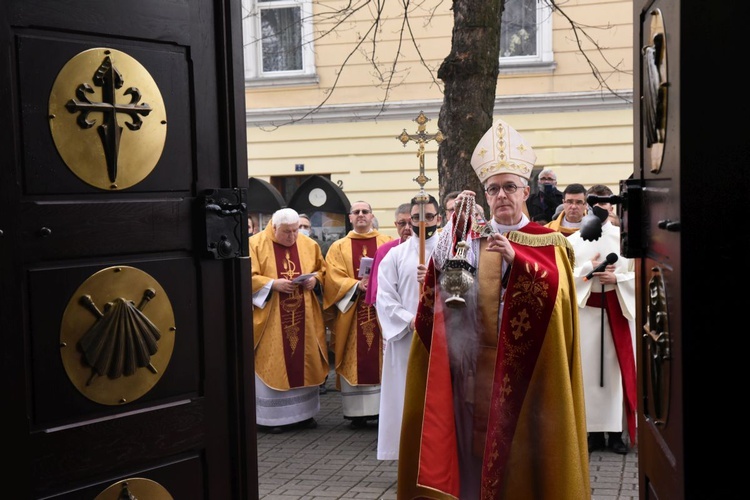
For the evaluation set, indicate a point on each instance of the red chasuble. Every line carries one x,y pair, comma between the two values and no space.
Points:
529,430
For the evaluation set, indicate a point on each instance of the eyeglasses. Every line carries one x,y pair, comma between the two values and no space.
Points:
401,223
364,211
427,217
494,189
547,179
579,203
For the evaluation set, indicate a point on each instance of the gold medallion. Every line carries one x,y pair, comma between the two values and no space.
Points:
136,488
107,119
655,93
117,335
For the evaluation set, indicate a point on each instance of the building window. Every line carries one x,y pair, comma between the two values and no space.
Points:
526,33
278,41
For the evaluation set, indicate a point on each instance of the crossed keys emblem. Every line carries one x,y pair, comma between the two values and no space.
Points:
107,118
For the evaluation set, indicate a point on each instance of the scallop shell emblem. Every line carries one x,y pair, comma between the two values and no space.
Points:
117,335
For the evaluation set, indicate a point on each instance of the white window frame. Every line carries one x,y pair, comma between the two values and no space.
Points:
544,54
253,50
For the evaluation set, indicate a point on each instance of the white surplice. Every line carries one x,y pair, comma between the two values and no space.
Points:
396,304
604,405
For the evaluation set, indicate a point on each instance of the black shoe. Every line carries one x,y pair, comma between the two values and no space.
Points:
617,445
358,423
596,441
270,430
310,423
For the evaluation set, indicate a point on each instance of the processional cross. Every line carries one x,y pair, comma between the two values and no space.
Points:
421,138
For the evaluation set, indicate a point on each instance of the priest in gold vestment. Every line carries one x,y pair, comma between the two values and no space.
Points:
291,356
494,405
357,341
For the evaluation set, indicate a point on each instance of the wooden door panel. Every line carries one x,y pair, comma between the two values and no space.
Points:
55,229
690,247
111,460
115,449
172,20
660,405
57,401
191,428
41,57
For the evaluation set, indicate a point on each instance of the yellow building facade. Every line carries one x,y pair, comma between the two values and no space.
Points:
331,111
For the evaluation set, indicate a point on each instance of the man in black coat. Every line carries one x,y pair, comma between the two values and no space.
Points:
542,203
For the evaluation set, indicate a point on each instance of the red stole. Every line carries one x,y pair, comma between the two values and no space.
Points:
369,340
292,311
523,328
438,463
620,329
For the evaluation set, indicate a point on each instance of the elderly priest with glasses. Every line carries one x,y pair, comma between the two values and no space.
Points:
356,337
494,404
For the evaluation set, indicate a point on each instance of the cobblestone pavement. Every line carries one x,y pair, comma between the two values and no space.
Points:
334,461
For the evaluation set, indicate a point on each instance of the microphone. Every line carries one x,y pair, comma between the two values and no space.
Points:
593,199
611,259
591,225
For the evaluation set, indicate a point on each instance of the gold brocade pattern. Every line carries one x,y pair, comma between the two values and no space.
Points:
343,268
290,319
369,325
271,342
290,305
366,320
532,288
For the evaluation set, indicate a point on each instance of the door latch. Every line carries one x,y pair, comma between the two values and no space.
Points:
632,232
226,222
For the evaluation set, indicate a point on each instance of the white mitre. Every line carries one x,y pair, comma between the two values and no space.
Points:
502,150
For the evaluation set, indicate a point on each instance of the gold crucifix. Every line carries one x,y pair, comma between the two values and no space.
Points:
290,268
421,138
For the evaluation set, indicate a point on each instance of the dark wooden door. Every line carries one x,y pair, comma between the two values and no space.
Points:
125,315
690,182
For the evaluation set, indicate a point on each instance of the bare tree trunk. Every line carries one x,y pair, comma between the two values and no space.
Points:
470,76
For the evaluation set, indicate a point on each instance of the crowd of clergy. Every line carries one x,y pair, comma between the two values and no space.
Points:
371,303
